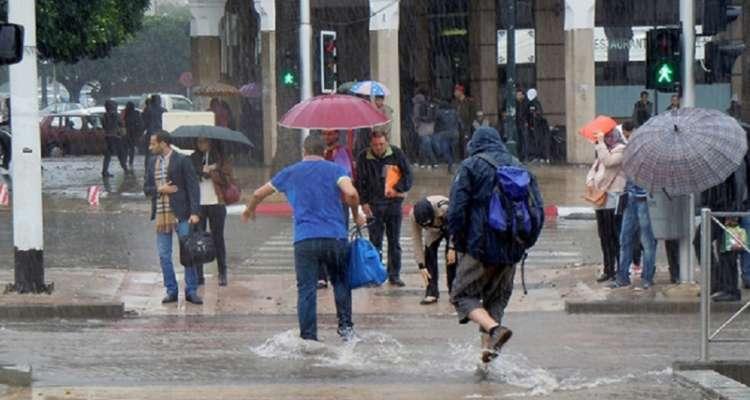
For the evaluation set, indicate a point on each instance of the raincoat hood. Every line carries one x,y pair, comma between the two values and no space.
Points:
487,140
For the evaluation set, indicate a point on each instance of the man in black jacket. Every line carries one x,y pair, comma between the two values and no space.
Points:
383,179
172,185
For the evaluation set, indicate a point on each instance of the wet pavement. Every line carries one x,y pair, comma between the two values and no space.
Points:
552,355
242,344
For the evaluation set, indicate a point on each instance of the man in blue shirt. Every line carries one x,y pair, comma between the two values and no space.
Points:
314,187
634,216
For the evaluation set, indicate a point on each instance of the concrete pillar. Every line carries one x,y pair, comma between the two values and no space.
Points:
384,57
550,49
205,44
483,56
266,9
580,89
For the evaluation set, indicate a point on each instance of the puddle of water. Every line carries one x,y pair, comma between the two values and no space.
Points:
380,352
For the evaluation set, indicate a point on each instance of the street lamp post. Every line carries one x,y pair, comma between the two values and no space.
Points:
687,19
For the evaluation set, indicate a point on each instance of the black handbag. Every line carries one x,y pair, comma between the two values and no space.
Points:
197,248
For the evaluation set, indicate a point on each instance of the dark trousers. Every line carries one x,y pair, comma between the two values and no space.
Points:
388,218
609,238
523,148
130,145
322,273
114,147
724,273
673,258
5,150
431,263
309,256
214,217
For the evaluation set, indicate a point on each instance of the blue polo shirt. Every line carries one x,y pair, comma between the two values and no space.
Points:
312,188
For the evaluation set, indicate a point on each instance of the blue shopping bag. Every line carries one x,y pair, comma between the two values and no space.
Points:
365,267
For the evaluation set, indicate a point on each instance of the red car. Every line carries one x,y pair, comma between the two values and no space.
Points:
72,133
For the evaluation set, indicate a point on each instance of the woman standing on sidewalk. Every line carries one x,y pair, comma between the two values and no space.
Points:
607,176
215,174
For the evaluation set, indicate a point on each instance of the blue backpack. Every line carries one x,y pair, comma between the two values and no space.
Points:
516,209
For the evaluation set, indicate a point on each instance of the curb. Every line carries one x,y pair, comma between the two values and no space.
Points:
45,311
712,383
15,375
638,307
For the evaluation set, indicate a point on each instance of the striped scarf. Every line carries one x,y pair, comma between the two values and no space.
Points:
165,219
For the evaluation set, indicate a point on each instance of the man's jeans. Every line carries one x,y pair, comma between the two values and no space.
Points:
164,247
636,215
427,150
448,142
309,256
388,217
745,257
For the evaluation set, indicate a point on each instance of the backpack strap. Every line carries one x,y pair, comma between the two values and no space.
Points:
486,157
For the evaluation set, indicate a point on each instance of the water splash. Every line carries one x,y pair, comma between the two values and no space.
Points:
380,352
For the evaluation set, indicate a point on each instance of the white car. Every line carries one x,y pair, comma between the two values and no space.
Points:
57,108
172,102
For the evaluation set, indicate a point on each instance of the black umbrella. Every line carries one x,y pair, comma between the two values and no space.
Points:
211,132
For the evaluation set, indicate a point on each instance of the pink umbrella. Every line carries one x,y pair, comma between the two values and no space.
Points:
333,112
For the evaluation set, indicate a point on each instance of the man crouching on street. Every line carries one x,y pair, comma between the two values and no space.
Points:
314,187
484,276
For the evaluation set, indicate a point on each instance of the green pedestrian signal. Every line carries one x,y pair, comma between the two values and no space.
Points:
288,78
665,74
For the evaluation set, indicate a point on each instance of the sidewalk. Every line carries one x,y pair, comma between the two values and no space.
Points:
100,293
110,293
590,297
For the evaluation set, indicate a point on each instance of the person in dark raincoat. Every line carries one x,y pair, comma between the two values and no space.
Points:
484,280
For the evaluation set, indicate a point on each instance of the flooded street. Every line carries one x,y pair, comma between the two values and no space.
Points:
552,356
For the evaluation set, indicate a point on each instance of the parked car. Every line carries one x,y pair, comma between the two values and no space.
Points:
76,133
122,101
57,108
172,102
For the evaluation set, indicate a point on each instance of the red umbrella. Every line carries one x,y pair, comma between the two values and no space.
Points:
333,112
601,123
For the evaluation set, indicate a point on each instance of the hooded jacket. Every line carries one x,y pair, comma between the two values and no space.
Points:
470,196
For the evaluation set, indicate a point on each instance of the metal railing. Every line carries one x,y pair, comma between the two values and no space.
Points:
708,218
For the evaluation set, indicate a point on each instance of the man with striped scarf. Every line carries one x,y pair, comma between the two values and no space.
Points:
172,184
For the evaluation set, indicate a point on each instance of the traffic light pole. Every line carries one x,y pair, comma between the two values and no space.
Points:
687,19
28,231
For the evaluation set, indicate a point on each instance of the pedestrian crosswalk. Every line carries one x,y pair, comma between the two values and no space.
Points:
276,254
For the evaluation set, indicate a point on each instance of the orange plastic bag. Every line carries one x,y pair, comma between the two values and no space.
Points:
601,123
392,176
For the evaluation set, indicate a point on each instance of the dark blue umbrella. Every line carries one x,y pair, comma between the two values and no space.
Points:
211,132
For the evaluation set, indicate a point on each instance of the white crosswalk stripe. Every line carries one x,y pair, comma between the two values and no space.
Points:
277,253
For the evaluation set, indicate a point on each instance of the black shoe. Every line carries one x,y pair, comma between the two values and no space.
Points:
499,337
194,298
222,279
726,297
170,298
604,278
397,282
346,333
106,175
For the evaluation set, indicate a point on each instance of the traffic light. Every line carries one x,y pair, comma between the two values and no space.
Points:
719,59
289,70
716,15
663,59
328,68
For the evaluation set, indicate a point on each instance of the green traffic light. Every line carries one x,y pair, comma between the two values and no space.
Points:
288,78
665,74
